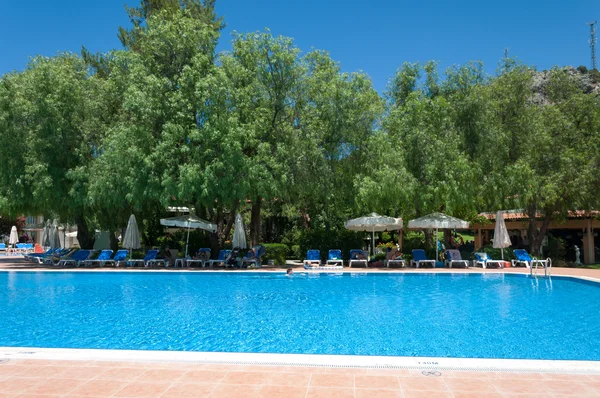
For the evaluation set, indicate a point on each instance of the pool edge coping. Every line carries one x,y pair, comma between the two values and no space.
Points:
304,360
283,271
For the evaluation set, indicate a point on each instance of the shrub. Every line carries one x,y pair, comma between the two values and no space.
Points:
556,248
295,252
582,69
278,252
496,254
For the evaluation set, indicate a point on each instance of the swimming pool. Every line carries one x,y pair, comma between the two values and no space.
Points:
396,314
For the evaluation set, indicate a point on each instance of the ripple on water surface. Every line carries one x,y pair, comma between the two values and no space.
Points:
444,315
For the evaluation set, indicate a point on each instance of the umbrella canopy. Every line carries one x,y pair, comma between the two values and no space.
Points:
54,235
239,233
374,222
46,240
14,236
501,237
189,221
438,221
132,234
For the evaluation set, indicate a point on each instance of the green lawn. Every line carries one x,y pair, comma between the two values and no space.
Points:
592,266
466,237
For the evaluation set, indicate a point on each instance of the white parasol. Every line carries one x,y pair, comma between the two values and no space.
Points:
189,221
501,237
374,222
438,221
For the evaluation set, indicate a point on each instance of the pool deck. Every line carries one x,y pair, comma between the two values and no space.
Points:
104,373
17,263
56,378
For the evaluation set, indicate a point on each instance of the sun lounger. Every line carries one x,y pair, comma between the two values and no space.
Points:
313,258
221,258
120,257
203,257
354,254
334,257
38,257
103,257
150,255
453,258
76,259
523,258
485,261
256,260
150,260
420,258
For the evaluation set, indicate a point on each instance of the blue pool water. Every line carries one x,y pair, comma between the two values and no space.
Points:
446,315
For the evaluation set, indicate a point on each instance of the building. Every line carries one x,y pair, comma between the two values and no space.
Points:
580,229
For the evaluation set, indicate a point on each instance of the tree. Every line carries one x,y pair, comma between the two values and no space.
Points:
45,111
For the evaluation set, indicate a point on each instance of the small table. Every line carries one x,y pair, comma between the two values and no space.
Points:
181,261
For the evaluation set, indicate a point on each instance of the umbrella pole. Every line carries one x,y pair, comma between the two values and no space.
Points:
436,247
373,242
187,241
502,252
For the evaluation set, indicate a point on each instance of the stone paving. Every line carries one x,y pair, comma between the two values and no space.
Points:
43,378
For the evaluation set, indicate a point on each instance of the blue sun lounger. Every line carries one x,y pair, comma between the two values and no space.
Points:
203,257
453,257
313,259
120,257
103,257
334,257
36,256
354,258
76,259
221,258
523,258
485,261
257,260
419,258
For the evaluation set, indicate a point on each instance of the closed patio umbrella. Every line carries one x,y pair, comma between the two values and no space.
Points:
46,239
438,221
501,237
189,221
131,240
14,236
239,233
374,222
54,235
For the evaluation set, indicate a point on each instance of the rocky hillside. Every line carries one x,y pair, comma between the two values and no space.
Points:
589,81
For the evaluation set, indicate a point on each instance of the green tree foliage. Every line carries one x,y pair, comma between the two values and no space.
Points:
289,137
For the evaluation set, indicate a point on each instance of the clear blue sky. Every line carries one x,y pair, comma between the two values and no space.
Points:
374,36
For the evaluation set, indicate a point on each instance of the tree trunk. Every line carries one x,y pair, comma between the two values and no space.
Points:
84,235
231,220
114,242
255,222
216,237
538,237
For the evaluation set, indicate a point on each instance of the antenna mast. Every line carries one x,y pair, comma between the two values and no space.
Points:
593,42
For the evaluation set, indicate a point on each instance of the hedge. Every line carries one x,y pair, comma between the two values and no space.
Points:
278,252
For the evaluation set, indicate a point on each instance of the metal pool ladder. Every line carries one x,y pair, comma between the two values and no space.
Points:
547,264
